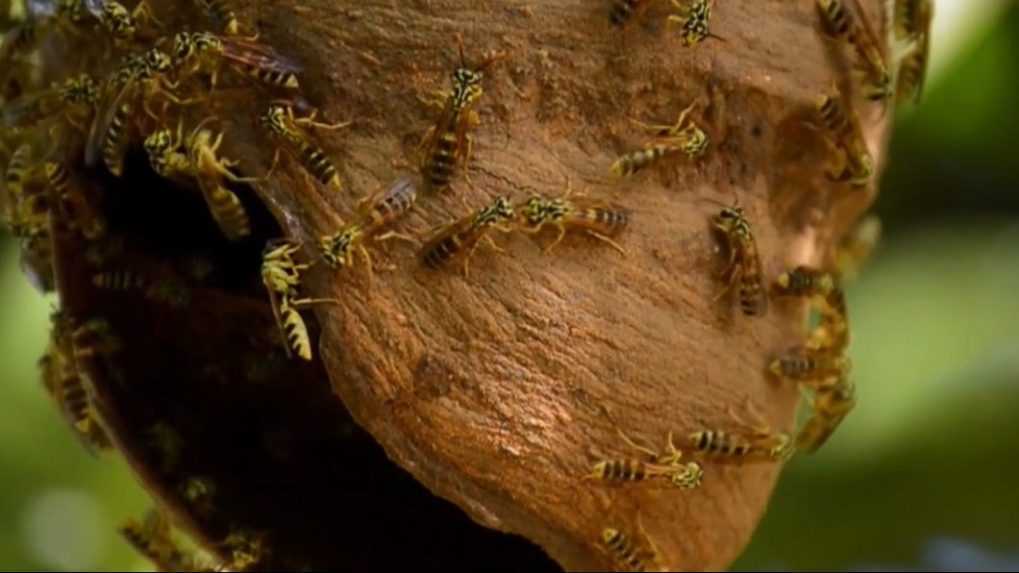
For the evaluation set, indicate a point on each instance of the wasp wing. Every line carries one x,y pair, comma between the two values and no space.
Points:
40,8
29,108
868,30
95,7
258,55
448,120
106,110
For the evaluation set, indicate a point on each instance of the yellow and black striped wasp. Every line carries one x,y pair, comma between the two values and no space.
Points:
448,141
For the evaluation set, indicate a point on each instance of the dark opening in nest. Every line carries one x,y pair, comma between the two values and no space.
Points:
241,442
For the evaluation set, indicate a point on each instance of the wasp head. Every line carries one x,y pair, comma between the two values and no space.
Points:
338,249
157,61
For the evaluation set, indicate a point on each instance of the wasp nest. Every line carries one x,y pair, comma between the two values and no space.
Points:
362,284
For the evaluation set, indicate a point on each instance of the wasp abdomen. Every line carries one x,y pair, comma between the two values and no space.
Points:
319,165
442,165
635,161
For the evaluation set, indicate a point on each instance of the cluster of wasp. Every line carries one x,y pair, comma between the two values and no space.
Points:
59,135
143,101
820,365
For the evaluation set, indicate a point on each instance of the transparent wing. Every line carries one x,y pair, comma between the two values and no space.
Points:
95,7
40,8
258,55
105,113
28,108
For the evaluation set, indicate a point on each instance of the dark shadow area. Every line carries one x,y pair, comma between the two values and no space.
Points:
250,447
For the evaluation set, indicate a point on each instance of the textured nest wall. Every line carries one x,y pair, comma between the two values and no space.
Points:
499,391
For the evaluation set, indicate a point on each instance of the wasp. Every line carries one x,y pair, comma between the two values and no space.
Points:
168,442
222,13
830,406
118,21
18,173
120,280
759,443
728,445
685,137
694,19
281,275
623,11
744,265
199,492
375,213
806,282
840,23
75,99
247,550
211,171
855,250
627,553
461,238
197,156
281,122
912,18
73,205
202,51
846,136
449,141
121,23
598,219
142,75
94,343
913,70
153,539
16,42
812,368
832,332
667,465
63,382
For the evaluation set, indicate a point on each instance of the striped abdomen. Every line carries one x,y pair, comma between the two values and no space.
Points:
912,71
296,331
316,162
805,281
115,140
229,213
794,365
277,78
58,176
840,22
752,298
444,249
603,220
719,443
835,304
14,177
620,470
622,11
394,204
834,117
623,549
122,280
636,160
75,400
441,165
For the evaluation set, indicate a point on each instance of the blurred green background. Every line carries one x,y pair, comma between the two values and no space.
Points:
921,475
